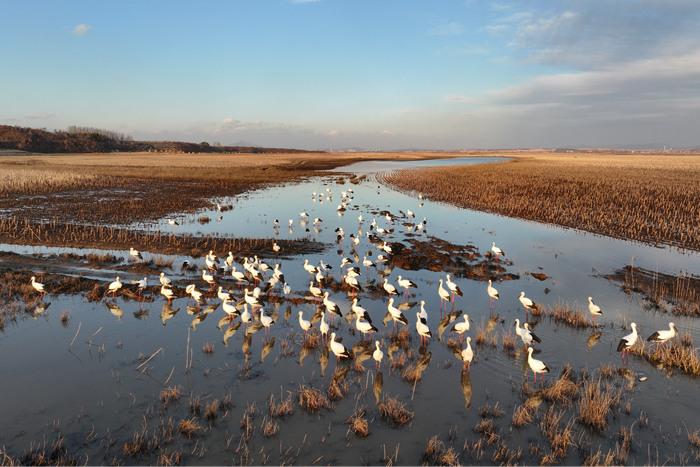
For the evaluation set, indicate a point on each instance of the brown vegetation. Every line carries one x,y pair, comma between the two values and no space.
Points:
676,354
22,231
189,427
358,423
395,411
647,198
169,395
597,400
312,399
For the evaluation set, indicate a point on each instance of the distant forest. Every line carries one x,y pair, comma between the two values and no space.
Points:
87,139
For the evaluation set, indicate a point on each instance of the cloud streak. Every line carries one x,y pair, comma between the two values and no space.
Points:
81,29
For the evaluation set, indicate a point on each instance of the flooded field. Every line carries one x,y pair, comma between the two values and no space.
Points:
133,378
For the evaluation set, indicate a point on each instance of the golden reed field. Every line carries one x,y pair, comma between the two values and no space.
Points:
649,198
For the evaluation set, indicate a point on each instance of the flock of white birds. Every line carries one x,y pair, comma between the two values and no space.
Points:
261,279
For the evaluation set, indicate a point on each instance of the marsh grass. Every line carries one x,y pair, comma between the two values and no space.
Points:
312,400
568,315
393,410
211,410
680,355
189,427
525,413
487,410
610,195
596,402
270,428
282,408
170,395
358,423
16,230
166,458
694,438
436,453
563,390
560,436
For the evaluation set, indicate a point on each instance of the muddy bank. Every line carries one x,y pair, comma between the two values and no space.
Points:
679,295
439,255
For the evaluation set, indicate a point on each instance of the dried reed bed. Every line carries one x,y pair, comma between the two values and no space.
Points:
358,423
127,187
676,354
647,198
30,181
566,314
18,231
597,400
312,399
394,410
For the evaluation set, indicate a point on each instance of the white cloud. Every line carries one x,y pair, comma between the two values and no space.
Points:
302,2
81,29
453,28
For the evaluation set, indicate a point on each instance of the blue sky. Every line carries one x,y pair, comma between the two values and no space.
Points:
372,74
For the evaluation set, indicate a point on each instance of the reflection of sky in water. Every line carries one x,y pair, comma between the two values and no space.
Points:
572,259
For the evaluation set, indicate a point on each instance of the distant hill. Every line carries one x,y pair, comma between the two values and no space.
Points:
83,139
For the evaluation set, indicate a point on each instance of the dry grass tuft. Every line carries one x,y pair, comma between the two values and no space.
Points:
672,355
189,427
525,413
312,399
170,394
358,423
169,458
394,410
137,445
564,389
694,438
509,344
436,453
488,410
270,428
597,458
311,340
503,455
560,437
597,400
282,408
212,410
565,314
246,422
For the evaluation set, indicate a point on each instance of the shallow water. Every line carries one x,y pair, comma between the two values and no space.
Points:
94,385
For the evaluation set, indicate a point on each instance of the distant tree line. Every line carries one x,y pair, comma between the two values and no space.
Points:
81,139
87,130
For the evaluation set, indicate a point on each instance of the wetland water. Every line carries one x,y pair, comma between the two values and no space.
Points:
86,381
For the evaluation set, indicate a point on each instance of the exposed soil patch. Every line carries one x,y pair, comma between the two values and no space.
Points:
439,255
